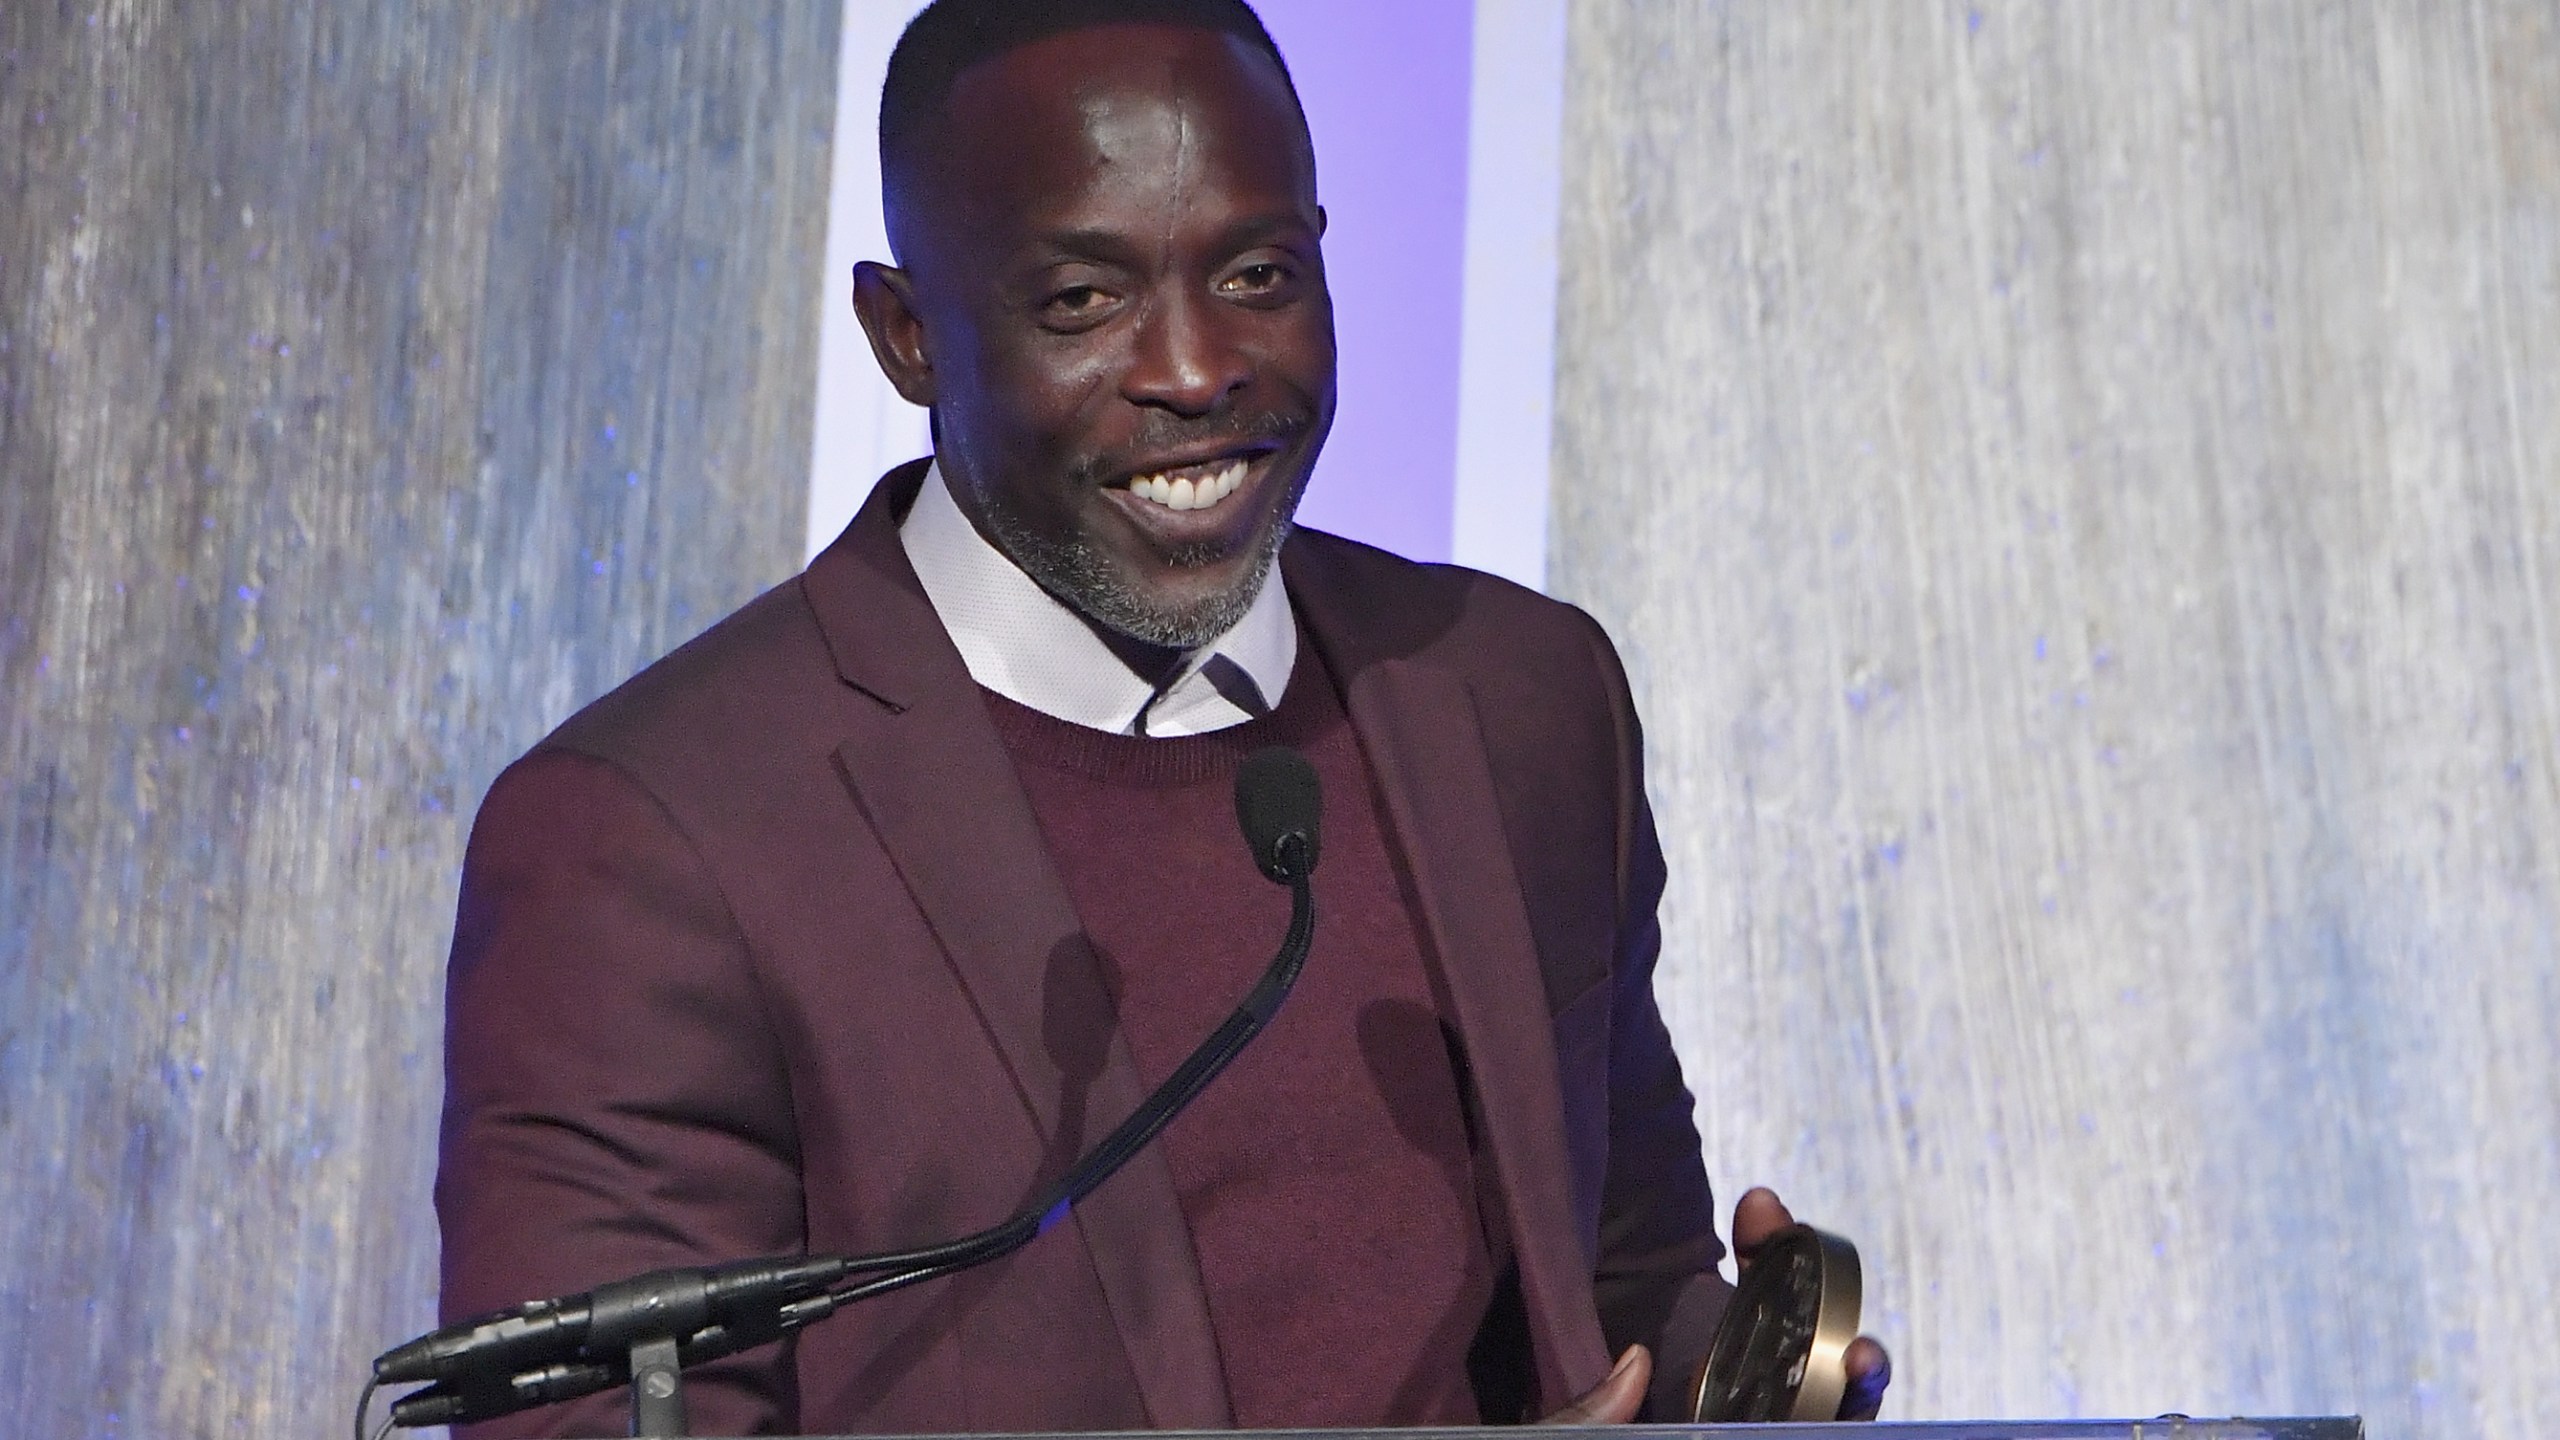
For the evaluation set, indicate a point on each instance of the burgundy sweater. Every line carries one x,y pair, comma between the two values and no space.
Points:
1328,1176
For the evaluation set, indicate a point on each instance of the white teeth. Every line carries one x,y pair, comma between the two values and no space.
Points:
1187,492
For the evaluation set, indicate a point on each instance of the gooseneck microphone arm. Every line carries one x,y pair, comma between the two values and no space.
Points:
645,1329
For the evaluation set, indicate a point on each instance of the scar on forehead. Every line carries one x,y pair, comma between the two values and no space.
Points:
1185,165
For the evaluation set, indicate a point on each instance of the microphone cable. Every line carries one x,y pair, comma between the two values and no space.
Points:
1143,1125
1278,807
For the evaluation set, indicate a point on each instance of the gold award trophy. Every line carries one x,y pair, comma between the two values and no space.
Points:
1778,1352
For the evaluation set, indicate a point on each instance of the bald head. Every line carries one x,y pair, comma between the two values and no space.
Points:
951,37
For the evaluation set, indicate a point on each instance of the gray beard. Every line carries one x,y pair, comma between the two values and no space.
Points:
1083,578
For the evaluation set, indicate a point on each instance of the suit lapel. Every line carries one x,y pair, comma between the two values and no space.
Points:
1419,728
929,774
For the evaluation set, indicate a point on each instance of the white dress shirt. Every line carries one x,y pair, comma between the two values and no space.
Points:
1021,642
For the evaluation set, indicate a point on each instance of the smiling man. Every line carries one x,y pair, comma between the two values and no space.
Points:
851,924
1112,299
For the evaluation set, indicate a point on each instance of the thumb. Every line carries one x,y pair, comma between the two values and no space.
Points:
1613,1401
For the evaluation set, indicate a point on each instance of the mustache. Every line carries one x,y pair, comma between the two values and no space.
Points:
1162,432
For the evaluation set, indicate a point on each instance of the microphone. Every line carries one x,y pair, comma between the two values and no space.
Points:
1278,801
545,1351
687,1298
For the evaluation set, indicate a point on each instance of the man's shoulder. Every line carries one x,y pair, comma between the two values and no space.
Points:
743,684
1468,619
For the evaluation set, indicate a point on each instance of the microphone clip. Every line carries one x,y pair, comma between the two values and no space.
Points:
644,1330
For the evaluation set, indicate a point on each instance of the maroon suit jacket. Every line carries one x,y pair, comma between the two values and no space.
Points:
763,952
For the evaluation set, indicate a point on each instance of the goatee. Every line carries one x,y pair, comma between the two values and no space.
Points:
1085,580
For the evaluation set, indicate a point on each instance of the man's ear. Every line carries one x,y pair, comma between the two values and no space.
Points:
885,299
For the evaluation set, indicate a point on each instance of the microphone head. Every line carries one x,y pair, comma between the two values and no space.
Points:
1278,800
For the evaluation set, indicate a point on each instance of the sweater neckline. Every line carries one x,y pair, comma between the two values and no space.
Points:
1308,710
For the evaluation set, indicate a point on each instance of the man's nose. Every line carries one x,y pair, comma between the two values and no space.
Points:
1184,360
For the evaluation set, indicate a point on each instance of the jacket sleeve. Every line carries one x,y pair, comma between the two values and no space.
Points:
615,1100
1656,1282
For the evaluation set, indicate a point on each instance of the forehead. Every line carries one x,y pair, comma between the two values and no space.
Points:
1133,113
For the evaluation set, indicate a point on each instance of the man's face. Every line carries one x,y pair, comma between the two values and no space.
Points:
1115,303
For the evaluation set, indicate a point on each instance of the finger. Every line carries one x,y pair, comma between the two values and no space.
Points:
1757,1216
1613,1401
1870,1369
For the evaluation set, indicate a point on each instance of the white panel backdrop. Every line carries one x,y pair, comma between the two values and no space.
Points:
2079,487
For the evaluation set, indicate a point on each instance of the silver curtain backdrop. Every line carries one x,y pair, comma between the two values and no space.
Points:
377,382
2079,488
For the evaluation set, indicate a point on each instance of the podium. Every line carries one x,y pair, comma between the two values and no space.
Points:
2162,1427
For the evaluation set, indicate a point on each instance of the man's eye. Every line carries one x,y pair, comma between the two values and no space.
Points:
1076,302
1252,280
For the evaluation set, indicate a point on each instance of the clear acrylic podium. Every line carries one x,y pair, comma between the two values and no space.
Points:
2160,1427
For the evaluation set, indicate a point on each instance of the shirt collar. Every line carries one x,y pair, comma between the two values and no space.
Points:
1021,642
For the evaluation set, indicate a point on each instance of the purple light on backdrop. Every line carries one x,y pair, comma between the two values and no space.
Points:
1386,92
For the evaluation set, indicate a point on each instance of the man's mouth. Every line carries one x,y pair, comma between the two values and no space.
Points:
1191,487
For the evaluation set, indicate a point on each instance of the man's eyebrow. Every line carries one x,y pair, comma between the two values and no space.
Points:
1265,229
1110,247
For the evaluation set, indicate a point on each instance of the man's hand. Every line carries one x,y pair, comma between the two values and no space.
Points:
1613,1401
1759,1215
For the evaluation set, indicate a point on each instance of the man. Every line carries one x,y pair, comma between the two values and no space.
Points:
848,926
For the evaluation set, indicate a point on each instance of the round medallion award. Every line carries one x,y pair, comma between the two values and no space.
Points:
1778,1352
